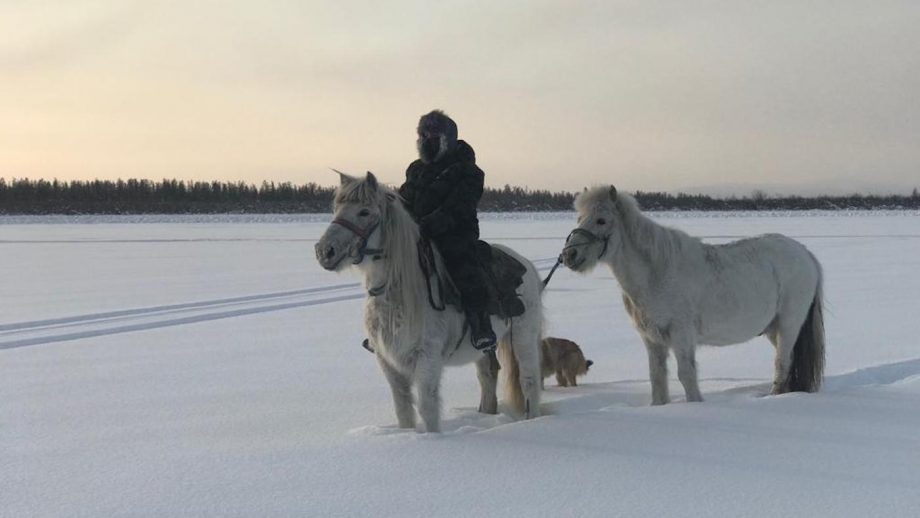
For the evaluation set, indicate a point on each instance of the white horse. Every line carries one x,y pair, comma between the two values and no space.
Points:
412,339
681,292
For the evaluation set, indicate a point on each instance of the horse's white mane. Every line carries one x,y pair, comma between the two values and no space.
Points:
656,242
405,282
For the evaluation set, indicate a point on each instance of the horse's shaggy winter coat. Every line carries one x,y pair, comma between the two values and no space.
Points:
373,233
681,292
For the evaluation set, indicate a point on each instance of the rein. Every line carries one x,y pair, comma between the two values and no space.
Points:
426,260
429,267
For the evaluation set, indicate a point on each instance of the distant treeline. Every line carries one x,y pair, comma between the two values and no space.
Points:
24,196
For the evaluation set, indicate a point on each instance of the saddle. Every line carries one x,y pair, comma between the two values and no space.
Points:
504,274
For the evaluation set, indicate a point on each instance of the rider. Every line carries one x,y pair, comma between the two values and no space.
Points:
441,191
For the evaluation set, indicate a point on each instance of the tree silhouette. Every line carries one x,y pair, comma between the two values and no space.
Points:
172,196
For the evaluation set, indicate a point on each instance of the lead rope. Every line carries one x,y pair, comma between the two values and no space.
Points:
551,272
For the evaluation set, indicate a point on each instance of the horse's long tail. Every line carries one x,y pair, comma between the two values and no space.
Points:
513,394
519,348
807,370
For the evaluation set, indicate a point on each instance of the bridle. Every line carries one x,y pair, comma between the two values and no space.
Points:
425,256
365,235
591,239
363,251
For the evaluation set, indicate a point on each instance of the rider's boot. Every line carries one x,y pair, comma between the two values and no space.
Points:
481,333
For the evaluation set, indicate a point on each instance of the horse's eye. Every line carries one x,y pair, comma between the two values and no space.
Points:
601,221
364,213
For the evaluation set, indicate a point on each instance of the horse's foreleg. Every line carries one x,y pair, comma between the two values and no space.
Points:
401,386
487,372
685,354
428,384
658,372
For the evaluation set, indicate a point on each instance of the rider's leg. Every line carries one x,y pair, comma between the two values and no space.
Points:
462,263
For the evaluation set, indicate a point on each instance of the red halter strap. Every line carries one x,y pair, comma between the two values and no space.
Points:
364,234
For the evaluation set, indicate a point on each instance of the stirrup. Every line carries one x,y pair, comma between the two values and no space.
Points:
485,344
482,336
367,345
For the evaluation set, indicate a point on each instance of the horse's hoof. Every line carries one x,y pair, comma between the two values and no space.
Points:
531,412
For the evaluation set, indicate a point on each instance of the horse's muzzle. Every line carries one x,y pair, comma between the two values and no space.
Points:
571,259
327,256
569,256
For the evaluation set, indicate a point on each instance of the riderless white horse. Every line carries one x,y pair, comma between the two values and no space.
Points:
412,334
681,292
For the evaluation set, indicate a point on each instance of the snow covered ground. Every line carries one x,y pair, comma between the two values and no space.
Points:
208,367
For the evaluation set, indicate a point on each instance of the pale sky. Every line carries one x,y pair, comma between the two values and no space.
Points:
711,96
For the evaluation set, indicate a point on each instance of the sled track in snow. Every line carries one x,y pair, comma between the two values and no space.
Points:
63,329
64,321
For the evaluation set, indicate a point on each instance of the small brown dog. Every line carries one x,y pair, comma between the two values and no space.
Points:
565,359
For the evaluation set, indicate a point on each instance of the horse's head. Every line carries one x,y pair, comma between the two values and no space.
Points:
355,231
591,240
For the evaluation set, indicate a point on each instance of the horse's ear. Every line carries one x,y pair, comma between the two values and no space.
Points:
344,179
371,180
613,193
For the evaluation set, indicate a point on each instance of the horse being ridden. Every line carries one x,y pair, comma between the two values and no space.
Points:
681,292
412,339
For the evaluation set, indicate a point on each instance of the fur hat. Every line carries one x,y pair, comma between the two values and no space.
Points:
436,125
436,121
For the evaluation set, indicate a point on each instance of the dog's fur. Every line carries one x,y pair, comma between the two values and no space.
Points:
564,359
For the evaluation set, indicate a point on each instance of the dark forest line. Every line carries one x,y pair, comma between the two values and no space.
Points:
170,196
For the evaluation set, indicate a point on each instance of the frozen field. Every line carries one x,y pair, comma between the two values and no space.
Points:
209,367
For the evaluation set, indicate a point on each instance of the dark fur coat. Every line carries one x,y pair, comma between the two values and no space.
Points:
443,196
